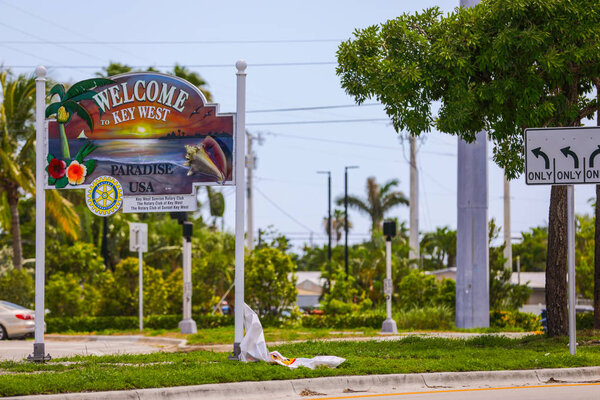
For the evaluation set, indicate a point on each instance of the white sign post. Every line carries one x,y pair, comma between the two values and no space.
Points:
39,350
138,241
564,156
240,192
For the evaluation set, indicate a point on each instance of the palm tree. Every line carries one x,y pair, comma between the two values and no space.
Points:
17,161
439,249
16,111
379,200
337,225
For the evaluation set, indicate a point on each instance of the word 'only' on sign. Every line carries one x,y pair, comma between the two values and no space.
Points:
562,156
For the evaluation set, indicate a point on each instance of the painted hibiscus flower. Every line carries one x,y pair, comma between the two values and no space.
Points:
57,168
76,173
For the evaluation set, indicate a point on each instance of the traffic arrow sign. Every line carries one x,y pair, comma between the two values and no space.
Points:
562,156
567,152
537,152
593,155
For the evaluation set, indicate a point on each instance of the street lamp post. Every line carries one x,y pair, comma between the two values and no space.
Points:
346,216
328,212
389,231
328,224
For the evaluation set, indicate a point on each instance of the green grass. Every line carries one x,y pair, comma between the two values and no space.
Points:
409,355
224,335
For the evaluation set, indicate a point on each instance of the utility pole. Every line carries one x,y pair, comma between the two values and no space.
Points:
328,225
507,237
472,250
413,240
249,200
328,212
346,216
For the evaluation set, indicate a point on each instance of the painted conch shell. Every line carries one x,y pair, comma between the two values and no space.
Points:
207,158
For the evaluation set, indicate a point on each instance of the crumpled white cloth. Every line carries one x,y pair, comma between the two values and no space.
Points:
254,348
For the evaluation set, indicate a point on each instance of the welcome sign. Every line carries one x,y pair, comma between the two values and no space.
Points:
154,133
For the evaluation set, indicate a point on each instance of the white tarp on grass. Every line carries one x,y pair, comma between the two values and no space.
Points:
254,348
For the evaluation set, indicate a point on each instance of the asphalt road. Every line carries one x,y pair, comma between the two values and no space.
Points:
576,391
16,350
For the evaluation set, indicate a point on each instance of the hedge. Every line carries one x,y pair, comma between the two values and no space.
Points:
515,320
93,324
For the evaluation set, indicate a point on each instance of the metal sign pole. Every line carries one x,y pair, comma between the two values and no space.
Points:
39,349
571,272
240,189
138,234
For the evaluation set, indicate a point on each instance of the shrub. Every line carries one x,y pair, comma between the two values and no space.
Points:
64,295
93,324
435,317
17,286
515,320
370,320
269,289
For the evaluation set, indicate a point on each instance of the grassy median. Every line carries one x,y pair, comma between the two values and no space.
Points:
409,355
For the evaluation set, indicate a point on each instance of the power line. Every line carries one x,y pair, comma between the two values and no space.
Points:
331,121
173,42
48,41
56,25
312,108
282,210
230,65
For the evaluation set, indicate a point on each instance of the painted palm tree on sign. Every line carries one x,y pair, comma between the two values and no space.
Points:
68,104
379,200
17,161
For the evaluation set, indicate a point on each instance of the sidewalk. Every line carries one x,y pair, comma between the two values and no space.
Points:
343,386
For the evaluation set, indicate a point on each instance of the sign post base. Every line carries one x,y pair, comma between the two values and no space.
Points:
235,356
389,326
38,355
188,326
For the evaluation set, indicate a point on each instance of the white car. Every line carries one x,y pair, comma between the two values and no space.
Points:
15,321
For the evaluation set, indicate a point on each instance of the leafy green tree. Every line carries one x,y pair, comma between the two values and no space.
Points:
438,249
532,249
80,259
65,296
270,281
502,66
119,290
17,286
503,294
379,200
417,290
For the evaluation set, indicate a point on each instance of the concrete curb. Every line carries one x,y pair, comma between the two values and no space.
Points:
154,341
343,385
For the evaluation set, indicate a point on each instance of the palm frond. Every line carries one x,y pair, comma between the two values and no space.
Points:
83,86
63,213
4,212
52,109
79,110
58,89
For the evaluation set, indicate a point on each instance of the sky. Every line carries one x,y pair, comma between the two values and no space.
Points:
290,48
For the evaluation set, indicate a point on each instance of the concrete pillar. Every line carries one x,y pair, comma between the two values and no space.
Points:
472,254
413,240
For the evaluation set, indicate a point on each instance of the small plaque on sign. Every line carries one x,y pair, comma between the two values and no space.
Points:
138,236
167,203
387,286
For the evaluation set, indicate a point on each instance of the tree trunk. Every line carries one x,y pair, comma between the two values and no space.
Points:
12,195
556,262
597,261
